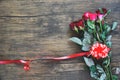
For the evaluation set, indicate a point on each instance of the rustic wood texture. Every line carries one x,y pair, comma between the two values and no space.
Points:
30,28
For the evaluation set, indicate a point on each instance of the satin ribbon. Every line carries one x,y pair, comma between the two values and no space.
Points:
65,57
26,63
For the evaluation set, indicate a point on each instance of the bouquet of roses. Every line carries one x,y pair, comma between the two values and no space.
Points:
95,42
95,39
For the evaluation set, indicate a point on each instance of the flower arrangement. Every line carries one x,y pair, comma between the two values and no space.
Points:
95,38
95,42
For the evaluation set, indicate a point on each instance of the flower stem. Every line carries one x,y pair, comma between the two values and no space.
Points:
108,75
108,70
98,37
96,34
100,26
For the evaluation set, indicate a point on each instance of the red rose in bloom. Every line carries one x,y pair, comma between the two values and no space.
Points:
89,15
93,16
86,15
99,50
101,11
78,24
72,25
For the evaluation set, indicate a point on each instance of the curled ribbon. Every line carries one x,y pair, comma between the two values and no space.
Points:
26,63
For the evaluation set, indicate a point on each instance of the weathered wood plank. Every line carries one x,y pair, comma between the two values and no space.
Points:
52,7
40,27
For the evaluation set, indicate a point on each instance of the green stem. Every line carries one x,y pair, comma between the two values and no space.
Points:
101,30
100,26
108,70
96,34
98,37
108,75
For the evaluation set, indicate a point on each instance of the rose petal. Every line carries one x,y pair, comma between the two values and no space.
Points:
93,16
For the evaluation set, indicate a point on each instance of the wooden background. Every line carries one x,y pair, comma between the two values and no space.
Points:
30,28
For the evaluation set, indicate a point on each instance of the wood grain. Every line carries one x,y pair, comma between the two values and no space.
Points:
30,28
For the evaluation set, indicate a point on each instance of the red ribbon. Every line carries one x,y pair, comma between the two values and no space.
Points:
26,63
66,57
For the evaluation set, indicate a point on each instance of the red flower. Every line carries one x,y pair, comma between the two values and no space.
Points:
93,16
101,11
72,25
78,24
99,50
86,15
89,15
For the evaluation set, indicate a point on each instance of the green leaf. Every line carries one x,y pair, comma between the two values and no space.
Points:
109,38
106,62
103,35
108,12
90,30
93,72
85,48
108,41
87,36
109,44
110,54
86,41
91,24
86,45
102,77
105,26
114,77
93,68
101,71
97,72
76,40
108,29
114,25
89,62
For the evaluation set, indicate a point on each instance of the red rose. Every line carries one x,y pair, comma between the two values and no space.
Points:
78,24
99,50
101,11
72,25
86,15
93,16
89,15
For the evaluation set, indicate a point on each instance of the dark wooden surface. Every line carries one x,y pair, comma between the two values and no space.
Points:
30,28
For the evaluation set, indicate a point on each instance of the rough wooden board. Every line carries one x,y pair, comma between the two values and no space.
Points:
40,27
